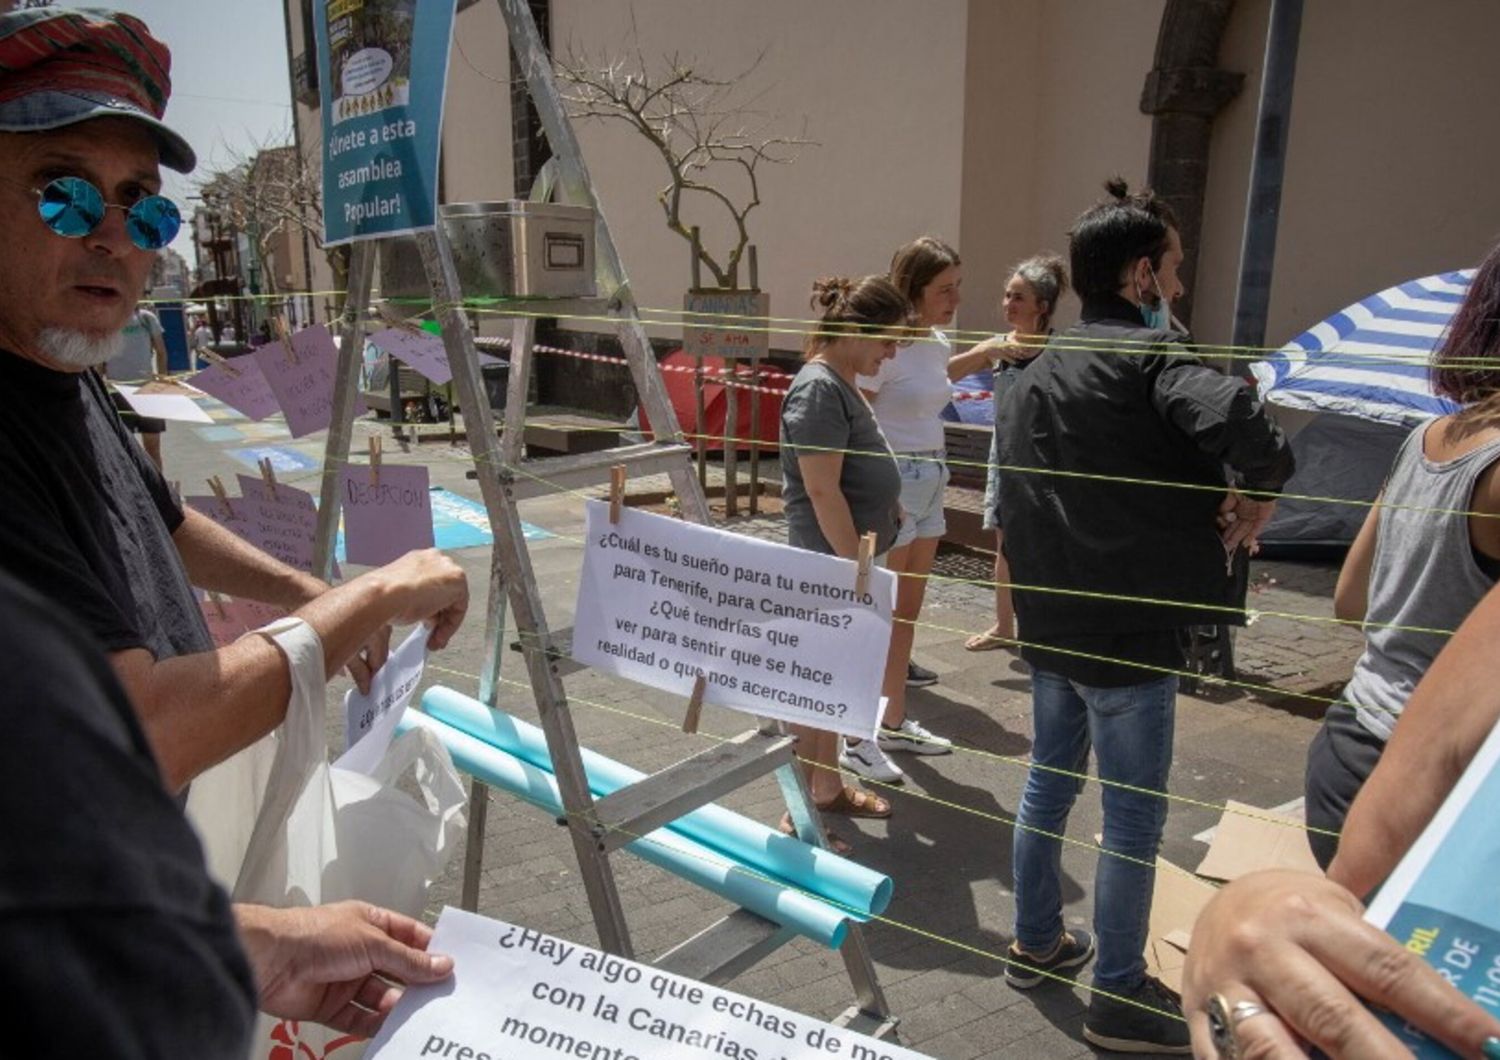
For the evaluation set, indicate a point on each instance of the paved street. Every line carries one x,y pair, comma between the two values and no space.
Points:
947,845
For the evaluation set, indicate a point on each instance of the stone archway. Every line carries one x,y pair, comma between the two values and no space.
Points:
1184,92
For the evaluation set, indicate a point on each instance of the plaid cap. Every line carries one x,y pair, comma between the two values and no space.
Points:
61,67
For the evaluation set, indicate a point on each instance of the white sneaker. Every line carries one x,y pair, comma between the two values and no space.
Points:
914,737
866,759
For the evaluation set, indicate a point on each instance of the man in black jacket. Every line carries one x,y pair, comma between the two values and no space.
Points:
1135,477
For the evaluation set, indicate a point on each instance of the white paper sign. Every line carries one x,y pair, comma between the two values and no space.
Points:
163,406
776,630
517,994
370,718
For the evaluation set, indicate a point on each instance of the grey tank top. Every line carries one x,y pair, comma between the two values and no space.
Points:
1423,574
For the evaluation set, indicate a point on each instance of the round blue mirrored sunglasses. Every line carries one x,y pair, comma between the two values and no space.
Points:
72,207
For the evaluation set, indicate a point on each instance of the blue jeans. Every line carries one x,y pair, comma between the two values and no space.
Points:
1130,729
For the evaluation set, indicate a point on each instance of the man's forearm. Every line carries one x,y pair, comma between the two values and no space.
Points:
218,560
200,709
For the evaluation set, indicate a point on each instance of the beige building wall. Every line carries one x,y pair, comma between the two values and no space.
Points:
1051,108
992,123
1390,160
477,157
879,85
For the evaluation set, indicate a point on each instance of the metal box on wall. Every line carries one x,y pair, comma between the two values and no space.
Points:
512,249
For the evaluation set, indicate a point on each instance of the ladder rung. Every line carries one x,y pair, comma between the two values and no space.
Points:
536,478
723,951
648,804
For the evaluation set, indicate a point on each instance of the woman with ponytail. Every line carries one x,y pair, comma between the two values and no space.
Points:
839,477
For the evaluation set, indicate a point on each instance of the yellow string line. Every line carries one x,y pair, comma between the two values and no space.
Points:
957,337
684,436
1121,347
861,914
812,326
1057,770
1214,609
211,299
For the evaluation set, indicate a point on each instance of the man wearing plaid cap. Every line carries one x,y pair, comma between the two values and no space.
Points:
89,525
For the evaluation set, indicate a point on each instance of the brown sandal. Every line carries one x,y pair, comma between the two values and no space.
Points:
856,802
989,640
836,843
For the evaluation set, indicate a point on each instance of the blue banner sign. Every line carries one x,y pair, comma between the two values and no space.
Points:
382,71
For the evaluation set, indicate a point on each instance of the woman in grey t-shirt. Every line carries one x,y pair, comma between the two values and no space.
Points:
839,476
1428,552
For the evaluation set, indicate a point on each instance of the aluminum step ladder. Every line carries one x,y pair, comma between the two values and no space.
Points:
506,476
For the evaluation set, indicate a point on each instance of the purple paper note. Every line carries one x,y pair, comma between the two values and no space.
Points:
231,515
423,352
304,388
266,524
384,522
241,385
283,525
259,490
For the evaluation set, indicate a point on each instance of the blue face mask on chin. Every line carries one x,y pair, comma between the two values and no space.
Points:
1158,316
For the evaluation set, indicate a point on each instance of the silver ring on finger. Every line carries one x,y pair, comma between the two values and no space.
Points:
1223,1020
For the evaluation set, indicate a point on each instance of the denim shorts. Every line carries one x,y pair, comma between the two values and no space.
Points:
923,476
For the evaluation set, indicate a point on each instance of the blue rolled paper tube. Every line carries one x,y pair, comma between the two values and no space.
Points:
862,891
710,869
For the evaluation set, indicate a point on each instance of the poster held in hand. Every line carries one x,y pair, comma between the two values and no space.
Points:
518,994
1440,901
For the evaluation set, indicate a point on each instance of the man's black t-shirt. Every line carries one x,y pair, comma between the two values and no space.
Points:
114,940
86,520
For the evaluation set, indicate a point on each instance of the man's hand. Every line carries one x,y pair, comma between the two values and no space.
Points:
1241,519
341,965
1296,945
429,587
371,658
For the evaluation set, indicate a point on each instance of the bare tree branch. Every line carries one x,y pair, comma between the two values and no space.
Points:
266,192
710,142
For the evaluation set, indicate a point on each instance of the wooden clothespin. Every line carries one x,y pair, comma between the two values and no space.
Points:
391,319
616,491
217,486
268,475
866,561
283,336
695,705
218,602
223,362
375,446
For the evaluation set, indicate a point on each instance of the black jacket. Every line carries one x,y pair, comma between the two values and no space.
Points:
1112,398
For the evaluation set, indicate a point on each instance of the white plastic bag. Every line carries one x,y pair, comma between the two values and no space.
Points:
282,827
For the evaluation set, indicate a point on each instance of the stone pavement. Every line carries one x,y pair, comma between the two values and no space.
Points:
948,844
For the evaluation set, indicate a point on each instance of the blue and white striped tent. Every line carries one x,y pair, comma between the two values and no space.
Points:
1364,371
1370,360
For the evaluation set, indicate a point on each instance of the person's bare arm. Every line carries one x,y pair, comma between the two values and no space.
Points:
218,560
1351,596
820,476
1449,715
222,562
986,354
159,350
199,709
